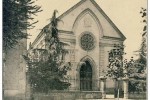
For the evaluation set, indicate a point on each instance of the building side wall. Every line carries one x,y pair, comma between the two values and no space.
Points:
14,77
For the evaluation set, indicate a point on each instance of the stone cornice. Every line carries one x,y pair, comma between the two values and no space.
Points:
64,31
106,44
67,37
112,38
68,40
42,33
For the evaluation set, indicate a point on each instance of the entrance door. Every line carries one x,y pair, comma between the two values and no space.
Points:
86,77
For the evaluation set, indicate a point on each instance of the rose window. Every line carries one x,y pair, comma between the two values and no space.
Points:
87,42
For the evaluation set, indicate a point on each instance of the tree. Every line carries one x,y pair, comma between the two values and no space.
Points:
139,65
46,67
120,68
16,16
143,49
117,67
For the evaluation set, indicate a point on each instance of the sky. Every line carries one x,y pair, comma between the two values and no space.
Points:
124,13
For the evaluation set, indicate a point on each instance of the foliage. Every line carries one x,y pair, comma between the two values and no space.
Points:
134,69
136,86
139,66
48,71
143,49
16,14
115,67
119,68
137,76
143,13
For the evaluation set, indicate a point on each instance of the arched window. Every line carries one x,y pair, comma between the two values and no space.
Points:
86,77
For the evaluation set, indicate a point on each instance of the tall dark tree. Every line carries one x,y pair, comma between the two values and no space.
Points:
17,18
46,67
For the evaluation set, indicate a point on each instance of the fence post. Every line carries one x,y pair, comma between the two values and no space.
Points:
102,86
125,83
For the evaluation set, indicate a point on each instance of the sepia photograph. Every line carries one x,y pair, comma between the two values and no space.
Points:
74,50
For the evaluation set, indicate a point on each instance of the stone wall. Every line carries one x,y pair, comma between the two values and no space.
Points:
68,95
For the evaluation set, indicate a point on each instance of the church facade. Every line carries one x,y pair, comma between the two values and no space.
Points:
90,34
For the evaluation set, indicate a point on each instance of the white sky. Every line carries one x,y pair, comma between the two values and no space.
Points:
124,13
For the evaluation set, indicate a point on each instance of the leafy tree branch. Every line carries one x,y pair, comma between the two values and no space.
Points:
17,17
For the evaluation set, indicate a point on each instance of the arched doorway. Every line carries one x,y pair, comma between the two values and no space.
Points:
86,77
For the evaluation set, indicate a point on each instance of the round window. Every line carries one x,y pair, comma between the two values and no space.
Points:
87,42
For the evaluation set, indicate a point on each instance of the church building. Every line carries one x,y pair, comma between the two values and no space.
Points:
90,34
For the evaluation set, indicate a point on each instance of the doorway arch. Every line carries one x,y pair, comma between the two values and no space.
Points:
86,77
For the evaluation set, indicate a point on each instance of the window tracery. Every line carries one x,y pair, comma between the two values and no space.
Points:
87,42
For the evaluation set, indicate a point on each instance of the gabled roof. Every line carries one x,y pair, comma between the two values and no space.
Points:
100,10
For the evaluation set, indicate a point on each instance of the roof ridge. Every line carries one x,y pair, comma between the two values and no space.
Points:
107,18
70,9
